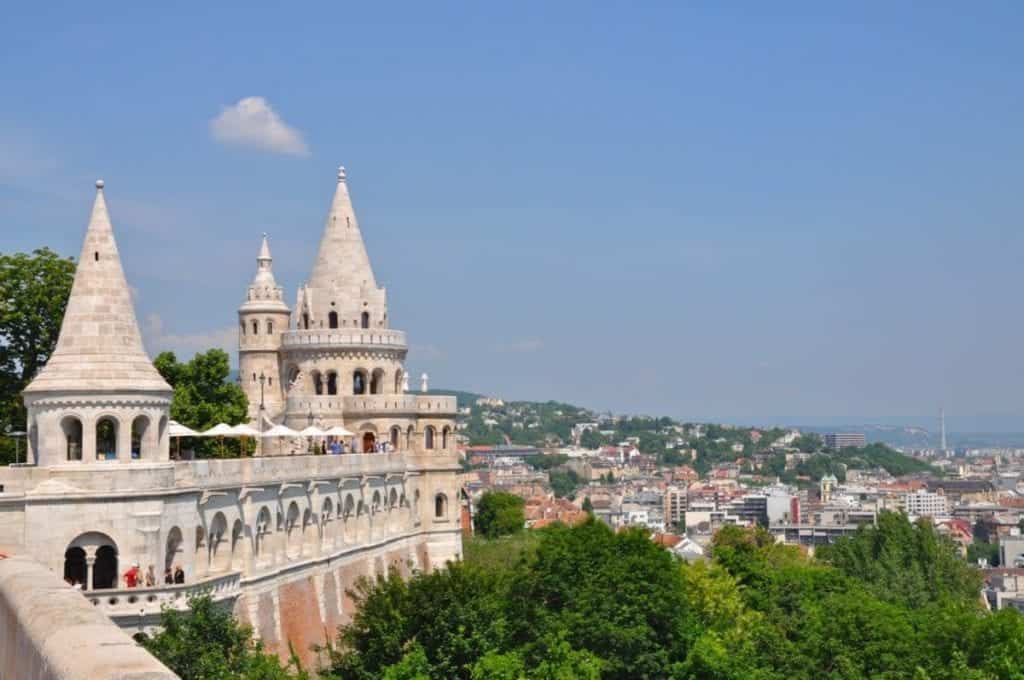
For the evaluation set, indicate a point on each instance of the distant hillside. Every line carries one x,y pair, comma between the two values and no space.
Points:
464,398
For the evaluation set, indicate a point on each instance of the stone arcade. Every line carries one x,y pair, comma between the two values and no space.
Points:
277,538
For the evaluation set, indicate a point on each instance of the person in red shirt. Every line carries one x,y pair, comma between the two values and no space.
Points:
131,577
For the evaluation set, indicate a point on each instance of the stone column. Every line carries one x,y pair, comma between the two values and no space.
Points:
90,560
88,440
124,439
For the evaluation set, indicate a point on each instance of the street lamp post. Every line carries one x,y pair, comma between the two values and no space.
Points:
263,380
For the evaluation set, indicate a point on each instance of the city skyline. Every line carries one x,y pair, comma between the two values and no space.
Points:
794,208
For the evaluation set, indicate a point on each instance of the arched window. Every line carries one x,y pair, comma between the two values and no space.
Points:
392,500
440,506
375,506
377,381
74,566
396,432
359,382
73,437
305,320
332,319
444,437
140,426
262,529
270,327
106,438
173,550
318,383
365,320
332,382
255,327
428,437
104,570
220,557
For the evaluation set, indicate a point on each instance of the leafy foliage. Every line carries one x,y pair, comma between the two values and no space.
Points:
206,643
34,290
499,514
203,397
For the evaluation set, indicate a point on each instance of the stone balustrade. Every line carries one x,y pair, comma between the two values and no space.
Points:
118,603
369,405
322,338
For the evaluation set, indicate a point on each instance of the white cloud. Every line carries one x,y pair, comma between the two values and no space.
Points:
520,346
251,122
186,345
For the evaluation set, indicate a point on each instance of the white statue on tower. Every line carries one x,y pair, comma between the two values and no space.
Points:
423,383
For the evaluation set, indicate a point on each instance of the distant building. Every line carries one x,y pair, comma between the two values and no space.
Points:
923,503
675,504
842,440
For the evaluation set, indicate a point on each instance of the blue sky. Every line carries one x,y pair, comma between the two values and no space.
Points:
697,209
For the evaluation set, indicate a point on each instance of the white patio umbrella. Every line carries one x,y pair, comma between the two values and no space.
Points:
338,431
220,430
243,430
176,429
312,431
280,431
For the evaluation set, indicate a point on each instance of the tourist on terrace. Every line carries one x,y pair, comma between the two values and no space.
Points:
168,576
132,576
179,574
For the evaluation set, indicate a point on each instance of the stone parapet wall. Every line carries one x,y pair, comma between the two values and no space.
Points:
51,632
337,339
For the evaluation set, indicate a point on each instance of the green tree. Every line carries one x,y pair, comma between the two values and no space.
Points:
590,439
588,506
499,514
206,642
203,397
563,482
34,290
809,442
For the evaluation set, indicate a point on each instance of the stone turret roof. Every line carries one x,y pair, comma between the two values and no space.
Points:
264,294
100,347
342,262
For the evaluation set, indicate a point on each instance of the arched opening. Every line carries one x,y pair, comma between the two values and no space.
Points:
359,382
396,432
202,556
174,541
293,532
75,572
392,500
428,437
364,320
237,554
72,427
377,381
140,426
270,327
445,433
332,382
305,320
262,530
369,441
332,320
293,376
375,505
318,383
308,532
104,570
106,438
440,506
220,553
255,327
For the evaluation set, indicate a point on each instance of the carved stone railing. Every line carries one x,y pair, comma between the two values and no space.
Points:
119,603
340,338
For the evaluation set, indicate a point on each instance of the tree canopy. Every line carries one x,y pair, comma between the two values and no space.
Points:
203,396
34,290
499,514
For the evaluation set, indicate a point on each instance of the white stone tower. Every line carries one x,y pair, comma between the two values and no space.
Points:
99,397
262,318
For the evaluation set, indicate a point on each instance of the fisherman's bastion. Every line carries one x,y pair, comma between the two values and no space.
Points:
277,537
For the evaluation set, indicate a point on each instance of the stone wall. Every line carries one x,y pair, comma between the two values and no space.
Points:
50,632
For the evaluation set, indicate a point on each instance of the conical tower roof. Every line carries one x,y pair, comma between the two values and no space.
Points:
100,347
264,294
342,262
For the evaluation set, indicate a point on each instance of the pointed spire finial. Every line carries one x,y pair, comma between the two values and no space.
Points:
341,173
